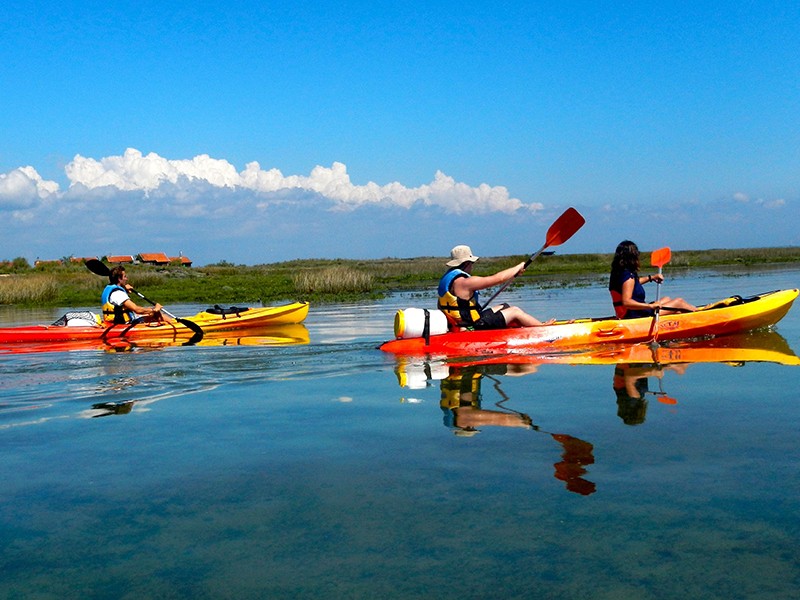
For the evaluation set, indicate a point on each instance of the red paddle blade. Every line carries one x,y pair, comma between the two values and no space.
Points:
564,227
667,400
660,257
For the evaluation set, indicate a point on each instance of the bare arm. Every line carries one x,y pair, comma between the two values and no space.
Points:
140,310
464,287
630,303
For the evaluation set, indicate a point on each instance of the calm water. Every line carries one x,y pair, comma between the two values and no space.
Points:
309,471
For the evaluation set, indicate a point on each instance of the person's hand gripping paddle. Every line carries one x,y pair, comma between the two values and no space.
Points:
560,231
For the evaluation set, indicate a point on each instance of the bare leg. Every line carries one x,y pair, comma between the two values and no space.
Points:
514,314
678,303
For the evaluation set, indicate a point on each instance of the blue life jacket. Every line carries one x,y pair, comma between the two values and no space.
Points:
460,312
113,313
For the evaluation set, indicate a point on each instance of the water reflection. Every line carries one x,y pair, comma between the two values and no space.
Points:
461,399
274,335
42,382
631,385
635,367
462,405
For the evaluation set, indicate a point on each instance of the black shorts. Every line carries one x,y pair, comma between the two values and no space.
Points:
491,320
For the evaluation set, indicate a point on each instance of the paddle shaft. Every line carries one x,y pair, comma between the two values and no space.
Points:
198,331
146,299
559,232
658,285
505,285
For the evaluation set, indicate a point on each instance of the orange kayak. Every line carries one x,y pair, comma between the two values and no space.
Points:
729,316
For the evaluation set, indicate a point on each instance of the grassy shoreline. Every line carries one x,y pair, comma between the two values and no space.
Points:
321,281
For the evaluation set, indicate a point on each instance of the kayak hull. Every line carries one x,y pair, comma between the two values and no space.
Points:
249,319
252,318
755,346
730,316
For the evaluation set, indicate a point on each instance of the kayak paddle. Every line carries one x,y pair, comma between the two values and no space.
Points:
560,231
658,259
100,268
660,395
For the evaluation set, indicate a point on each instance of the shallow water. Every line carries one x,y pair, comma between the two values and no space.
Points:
309,471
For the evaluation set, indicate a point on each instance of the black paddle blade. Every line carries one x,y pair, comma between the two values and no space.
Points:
97,267
198,332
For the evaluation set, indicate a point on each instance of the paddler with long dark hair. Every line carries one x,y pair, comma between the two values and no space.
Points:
458,295
627,291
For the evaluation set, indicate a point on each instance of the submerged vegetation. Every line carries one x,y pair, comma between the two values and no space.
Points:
70,284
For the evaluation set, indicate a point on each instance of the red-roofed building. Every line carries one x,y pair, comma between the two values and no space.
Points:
43,263
154,258
182,260
119,259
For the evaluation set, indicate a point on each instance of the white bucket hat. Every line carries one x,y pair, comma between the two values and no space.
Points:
460,255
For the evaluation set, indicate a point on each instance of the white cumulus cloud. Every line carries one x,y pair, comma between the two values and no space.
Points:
24,188
133,171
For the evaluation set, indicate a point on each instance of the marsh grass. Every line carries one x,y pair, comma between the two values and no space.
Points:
336,280
332,280
144,278
31,289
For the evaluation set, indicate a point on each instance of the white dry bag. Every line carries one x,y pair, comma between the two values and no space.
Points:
419,322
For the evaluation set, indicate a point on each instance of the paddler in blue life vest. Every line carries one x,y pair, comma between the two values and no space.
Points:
458,295
118,308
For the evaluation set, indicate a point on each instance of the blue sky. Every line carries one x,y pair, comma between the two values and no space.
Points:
255,132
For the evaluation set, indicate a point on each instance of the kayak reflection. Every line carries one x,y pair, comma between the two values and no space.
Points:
272,335
461,401
635,365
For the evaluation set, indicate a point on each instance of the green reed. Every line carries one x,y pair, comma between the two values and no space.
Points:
332,280
335,280
29,289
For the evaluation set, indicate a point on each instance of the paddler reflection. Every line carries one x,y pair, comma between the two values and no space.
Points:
631,386
461,399
461,403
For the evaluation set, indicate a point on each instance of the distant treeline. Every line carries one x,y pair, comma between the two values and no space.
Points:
325,280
